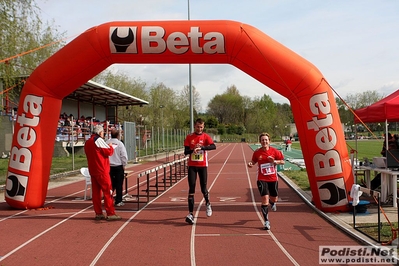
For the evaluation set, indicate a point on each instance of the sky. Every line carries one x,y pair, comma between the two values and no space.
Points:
355,44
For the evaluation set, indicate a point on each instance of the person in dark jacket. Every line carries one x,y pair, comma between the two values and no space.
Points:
392,145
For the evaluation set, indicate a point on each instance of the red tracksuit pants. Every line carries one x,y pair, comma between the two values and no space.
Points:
102,183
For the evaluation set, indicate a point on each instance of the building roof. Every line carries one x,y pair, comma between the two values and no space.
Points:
95,93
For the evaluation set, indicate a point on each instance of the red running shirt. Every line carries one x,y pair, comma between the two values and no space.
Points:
201,158
267,171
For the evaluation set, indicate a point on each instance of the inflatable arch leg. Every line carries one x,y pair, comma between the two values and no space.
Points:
230,42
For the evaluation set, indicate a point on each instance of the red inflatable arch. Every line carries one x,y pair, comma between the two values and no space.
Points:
247,48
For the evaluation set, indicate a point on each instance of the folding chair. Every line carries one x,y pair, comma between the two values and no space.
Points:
85,172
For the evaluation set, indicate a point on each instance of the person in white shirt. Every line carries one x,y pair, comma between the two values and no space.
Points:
118,162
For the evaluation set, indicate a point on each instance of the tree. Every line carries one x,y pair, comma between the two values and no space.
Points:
185,98
262,115
174,113
163,106
285,111
182,107
228,108
356,101
25,41
211,122
221,129
122,82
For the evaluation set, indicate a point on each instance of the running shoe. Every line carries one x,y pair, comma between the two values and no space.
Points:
274,207
113,217
208,210
267,225
99,217
120,204
190,219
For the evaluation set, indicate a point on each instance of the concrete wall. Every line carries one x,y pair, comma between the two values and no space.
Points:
6,125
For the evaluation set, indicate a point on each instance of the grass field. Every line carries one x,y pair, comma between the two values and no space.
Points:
365,149
59,165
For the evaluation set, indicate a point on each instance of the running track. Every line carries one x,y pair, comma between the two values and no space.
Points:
65,233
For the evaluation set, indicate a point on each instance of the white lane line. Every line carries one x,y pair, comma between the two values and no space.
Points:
106,245
101,252
39,235
267,234
287,254
66,219
46,203
192,240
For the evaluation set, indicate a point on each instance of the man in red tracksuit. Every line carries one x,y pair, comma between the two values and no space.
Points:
97,153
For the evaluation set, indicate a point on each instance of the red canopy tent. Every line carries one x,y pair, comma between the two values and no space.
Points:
386,109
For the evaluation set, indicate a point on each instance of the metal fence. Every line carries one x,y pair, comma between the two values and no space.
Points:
129,139
153,140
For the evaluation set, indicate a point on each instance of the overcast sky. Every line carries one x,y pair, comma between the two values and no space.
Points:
355,44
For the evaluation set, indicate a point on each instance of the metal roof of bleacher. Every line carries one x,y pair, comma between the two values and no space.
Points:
95,93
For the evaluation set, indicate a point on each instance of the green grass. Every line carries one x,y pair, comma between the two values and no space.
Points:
300,178
364,148
65,164
371,229
59,165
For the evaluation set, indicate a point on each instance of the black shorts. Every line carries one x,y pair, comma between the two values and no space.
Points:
268,188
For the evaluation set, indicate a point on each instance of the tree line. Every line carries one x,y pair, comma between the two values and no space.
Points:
227,113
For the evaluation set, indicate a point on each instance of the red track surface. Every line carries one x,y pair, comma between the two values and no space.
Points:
65,233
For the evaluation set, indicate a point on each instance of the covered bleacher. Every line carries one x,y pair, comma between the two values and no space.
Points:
89,105
95,93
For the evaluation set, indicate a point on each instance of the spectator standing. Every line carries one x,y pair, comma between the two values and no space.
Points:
288,144
267,158
392,144
68,122
97,154
118,161
196,146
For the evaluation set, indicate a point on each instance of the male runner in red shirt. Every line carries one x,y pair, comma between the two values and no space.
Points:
196,146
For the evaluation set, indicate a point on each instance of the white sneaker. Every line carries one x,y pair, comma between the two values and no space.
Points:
120,204
190,219
208,210
267,225
274,207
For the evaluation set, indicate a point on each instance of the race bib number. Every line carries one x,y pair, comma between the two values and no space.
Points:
199,157
267,169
